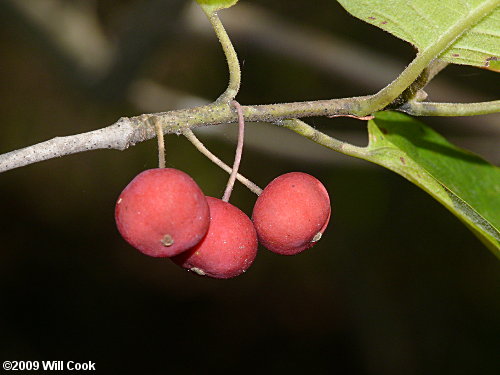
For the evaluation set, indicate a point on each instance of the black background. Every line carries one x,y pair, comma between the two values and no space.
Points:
396,285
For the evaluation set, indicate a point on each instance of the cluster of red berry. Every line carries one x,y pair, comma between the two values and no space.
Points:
163,213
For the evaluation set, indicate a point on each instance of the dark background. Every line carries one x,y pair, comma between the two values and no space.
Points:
396,285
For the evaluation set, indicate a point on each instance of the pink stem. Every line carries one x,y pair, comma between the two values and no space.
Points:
239,151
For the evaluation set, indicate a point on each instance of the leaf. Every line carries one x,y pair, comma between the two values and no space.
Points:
211,6
423,22
463,182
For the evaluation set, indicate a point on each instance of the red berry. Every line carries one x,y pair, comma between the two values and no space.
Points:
292,213
162,212
228,249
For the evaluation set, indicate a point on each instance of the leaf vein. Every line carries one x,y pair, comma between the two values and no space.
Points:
472,49
486,32
423,16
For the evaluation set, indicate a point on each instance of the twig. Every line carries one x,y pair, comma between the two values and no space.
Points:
118,136
415,91
449,109
128,131
201,147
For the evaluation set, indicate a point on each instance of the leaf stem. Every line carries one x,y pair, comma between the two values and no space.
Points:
450,109
231,58
385,96
307,131
188,133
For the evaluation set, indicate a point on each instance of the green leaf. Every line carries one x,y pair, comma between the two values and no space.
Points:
423,22
211,6
463,182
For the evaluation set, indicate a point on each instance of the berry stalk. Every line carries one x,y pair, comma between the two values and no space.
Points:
161,145
205,151
239,151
